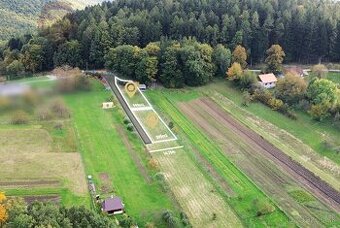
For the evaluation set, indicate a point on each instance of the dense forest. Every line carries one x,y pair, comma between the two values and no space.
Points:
308,31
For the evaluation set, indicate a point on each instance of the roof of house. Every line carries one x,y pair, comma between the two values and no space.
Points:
112,204
267,78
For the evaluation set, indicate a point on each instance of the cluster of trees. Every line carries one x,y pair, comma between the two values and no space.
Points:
173,63
17,214
320,96
308,30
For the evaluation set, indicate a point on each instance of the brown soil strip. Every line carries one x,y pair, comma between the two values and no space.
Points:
133,154
29,183
306,178
44,198
106,184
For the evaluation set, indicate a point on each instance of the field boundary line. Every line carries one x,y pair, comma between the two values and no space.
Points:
150,108
142,126
141,109
165,149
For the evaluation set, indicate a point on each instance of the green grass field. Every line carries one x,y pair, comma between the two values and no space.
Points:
246,191
35,163
102,146
335,77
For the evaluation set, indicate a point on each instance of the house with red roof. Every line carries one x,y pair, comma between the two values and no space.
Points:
268,80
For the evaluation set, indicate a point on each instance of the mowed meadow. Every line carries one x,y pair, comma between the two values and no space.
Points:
39,157
116,158
219,146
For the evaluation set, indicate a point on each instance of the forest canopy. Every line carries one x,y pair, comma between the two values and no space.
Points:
307,30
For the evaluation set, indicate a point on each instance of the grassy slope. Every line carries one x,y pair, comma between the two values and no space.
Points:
104,152
247,192
309,131
18,17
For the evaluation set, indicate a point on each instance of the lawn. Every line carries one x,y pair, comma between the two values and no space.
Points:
310,132
245,190
30,166
335,77
105,152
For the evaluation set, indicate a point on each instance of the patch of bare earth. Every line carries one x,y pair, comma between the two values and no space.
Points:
106,183
44,198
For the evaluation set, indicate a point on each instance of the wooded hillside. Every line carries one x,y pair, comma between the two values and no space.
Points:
18,17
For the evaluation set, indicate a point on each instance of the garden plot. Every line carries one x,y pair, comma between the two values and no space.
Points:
247,155
153,125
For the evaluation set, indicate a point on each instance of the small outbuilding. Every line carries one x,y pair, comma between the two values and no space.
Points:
142,87
107,105
268,80
113,206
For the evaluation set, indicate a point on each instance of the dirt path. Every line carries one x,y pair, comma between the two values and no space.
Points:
316,185
43,198
258,163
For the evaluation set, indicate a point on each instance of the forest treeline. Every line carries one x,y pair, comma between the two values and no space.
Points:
307,30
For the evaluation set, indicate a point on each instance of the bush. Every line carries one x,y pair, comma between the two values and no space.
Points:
263,207
262,95
153,164
170,219
319,111
159,177
275,104
185,220
127,221
59,108
71,79
319,70
130,127
20,117
171,125
44,114
126,120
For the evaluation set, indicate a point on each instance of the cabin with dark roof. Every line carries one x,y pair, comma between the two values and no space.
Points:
113,205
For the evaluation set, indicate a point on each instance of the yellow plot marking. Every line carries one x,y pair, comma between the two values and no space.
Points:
131,88
152,120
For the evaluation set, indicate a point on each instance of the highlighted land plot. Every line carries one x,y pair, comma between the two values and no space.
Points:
152,124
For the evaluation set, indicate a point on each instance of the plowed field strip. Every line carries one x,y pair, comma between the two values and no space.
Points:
263,172
321,189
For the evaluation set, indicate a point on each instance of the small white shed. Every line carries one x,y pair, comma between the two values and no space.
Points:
108,105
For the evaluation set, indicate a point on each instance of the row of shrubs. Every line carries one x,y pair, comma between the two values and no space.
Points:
266,97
